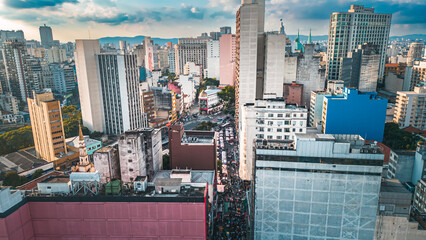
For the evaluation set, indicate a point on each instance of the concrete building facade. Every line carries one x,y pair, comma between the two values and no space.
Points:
355,112
107,163
411,108
47,126
190,50
349,29
323,187
269,119
46,36
213,59
274,60
227,47
141,153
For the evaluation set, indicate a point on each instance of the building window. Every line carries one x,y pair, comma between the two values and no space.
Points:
269,129
286,122
279,130
261,129
280,115
300,130
280,123
129,151
130,160
286,137
286,129
270,123
270,115
269,137
278,137
260,136
130,169
293,129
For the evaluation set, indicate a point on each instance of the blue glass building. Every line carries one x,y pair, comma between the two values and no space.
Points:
361,113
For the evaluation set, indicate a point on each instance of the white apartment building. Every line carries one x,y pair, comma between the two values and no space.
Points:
213,66
273,83
418,74
269,119
411,108
355,27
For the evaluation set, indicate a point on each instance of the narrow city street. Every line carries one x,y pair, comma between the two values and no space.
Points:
231,219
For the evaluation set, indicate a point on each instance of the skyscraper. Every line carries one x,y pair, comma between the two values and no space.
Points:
349,29
411,108
16,78
109,89
213,66
250,22
227,59
46,36
225,30
360,68
47,126
190,50
415,53
274,61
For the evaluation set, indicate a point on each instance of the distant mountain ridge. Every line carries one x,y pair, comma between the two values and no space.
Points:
303,38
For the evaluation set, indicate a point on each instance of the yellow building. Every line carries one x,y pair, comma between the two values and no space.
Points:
47,127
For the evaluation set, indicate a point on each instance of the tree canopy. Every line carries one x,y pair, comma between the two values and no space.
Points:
17,139
228,96
13,179
205,126
398,139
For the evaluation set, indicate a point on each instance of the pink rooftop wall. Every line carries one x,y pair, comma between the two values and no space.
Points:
227,59
105,220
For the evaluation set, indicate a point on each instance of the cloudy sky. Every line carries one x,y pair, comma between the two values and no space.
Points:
72,19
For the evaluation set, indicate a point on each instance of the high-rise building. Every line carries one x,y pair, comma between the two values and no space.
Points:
90,91
274,61
46,36
120,92
123,46
141,153
268,119
419,203
411,108
190,50
249,57
225,30
172,60
349,29
16,78
163,59
55,55
418,74
361,68
321,187
47,126
227,59
414,53
6,35
9,103
107,163
111,104
63,77
360,113
213,67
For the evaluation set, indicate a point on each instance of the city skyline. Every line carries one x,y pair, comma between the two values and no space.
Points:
74,19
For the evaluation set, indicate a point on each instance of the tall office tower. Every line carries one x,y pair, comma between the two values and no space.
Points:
89,87
120,92
227,59
249,57
172,60
321,187
349,29
55,55
46,36
139,51
213,67
225,30
267,119
190,50
109,89
360,68
308,72
148,46
418,74
215,35
273,83
163,59
411,108
141,153
16,77
47,126
34,73
415,53
47,77
6,35
63,77
123,46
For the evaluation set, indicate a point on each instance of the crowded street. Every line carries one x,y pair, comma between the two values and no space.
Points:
231,216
